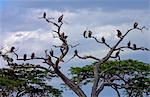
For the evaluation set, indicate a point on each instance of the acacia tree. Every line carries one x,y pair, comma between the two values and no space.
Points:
26,80
129,75
53,60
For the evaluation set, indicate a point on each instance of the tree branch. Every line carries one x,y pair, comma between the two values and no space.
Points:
70,84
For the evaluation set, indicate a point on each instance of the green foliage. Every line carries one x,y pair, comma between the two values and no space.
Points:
27,79
131,71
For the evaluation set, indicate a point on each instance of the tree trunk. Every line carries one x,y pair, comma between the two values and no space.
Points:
96,80
97,92
70,84
94,95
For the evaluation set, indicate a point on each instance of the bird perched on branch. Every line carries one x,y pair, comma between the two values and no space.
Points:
90,34
60,18
103,39
75,52
129,43
63,35
12,49
25,57
44,15
119,34
135,25
33,55
84,34
134,46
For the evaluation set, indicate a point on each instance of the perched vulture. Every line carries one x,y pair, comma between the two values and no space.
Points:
134,46
60,18
33,55
12,49
129,43
90,34
76,52
25,57
84,34
103,39
44,15
135,25
119,34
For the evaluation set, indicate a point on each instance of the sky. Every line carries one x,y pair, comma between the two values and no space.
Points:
21,27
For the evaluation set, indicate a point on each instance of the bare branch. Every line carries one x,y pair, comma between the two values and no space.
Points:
133,48
72,46
86,57
115,88
102,42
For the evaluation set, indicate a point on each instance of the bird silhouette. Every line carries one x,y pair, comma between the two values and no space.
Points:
119,34
90,34
25,57
129,43
84,34
76,52
33,55
103,39
12,49
134,46
135,25
60,18
44,15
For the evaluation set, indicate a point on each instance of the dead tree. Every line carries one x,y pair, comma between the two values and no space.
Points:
54,61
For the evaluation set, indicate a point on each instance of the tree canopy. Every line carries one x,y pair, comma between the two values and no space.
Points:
131,75
27,79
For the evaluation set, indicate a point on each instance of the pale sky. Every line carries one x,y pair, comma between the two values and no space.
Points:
20,27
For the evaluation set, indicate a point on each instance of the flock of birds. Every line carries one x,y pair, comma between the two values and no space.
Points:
86,34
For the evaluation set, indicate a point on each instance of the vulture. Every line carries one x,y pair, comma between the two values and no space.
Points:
84,34
25,57
135,25
119,34
134,46
129,43
60,18
76,52
103,39
44,15
12,49
90,34
33,55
